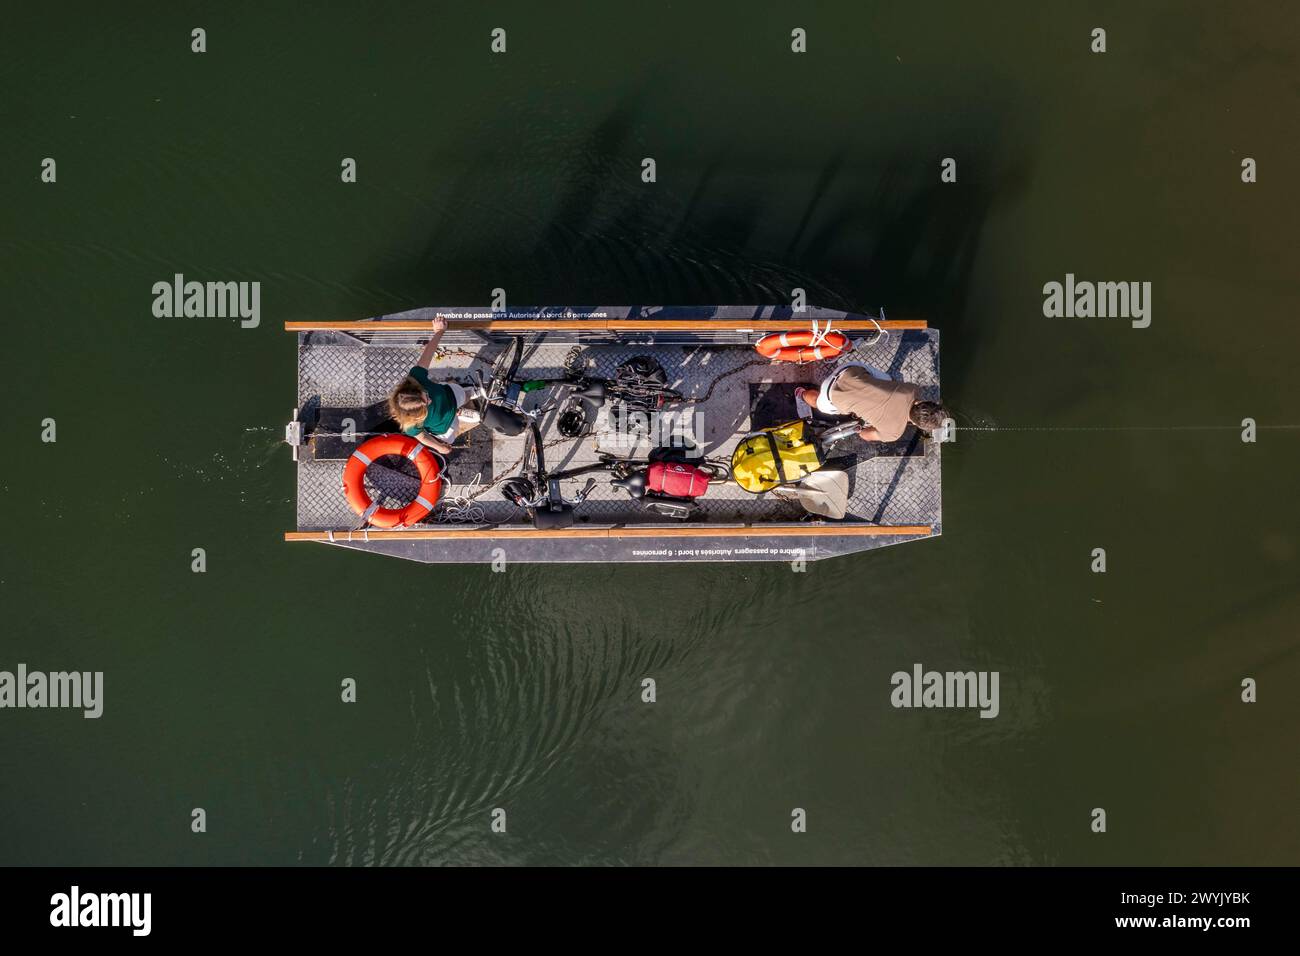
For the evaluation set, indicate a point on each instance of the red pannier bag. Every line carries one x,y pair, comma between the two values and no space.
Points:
676,479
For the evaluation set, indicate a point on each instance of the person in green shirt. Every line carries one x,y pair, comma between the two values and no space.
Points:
427,410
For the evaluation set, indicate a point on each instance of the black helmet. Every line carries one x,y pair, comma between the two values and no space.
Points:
518,491
572,422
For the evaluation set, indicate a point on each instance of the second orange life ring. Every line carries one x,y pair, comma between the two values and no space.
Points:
354,484
803,345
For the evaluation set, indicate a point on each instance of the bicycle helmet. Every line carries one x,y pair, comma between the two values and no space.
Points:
572,422
518,491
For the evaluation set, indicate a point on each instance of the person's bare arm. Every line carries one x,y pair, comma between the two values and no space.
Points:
439,446
869,434
426,357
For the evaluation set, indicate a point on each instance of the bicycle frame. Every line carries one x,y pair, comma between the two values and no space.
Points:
536,489
539,492
506,388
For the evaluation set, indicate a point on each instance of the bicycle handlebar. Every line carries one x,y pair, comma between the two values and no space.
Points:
840,432
545,500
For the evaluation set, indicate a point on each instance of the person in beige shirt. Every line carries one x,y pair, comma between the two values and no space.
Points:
886,407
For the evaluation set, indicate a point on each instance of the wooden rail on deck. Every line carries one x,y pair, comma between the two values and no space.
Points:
604,325
625,531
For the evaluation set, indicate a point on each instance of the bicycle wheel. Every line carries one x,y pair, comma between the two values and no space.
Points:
504,368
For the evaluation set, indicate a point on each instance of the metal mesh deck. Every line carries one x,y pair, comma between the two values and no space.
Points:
889,485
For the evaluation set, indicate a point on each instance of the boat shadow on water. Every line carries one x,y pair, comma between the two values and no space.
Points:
867,224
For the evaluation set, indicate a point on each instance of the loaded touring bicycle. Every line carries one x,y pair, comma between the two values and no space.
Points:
612,434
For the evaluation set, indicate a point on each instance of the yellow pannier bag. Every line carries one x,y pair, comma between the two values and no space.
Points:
775,456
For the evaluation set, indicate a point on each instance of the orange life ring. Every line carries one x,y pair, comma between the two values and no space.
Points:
798,346
354,485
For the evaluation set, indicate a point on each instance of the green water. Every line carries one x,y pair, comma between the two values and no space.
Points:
774,170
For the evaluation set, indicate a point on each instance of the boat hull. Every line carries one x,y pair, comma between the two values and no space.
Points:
346,369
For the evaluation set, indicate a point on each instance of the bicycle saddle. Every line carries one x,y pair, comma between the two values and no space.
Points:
633,484
592,392
547,518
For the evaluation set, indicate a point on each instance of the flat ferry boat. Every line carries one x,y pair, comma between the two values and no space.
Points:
577,405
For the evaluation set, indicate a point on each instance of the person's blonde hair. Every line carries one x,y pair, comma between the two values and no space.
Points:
408,404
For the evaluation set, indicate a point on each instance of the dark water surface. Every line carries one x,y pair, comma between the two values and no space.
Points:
775,170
